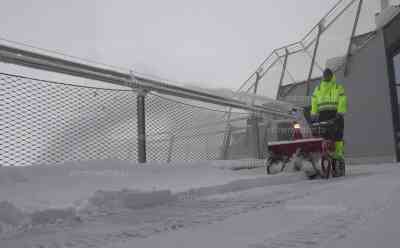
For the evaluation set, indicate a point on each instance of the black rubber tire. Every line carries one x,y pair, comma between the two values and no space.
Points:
342,167
270,165
326,164
323,169
335,168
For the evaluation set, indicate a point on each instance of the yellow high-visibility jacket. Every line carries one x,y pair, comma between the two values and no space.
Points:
329,96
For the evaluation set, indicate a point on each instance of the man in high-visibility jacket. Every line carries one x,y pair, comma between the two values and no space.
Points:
329,102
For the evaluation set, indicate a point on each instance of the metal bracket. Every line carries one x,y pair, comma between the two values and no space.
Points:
135,84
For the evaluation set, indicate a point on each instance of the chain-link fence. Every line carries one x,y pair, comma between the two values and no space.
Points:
45,122
328,44
178,130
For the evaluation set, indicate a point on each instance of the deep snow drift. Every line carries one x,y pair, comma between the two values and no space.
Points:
204,204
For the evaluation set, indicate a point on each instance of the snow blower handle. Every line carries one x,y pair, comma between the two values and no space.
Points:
323,128
324,123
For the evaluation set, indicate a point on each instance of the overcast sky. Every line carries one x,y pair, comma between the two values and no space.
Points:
213,43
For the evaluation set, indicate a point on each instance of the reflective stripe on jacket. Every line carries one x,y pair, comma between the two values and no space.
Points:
329,96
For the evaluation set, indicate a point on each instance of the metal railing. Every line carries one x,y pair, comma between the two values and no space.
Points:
45,122
48,122
305,60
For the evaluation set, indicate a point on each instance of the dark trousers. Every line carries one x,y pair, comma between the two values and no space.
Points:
336,133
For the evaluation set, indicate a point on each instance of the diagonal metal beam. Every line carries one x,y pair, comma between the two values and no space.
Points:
282,74
310,56
353,33
313,60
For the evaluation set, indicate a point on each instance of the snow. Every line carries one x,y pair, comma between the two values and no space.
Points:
204,204
111,200
68,185
55,193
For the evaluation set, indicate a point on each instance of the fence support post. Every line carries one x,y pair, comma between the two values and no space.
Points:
258,77
226,142
170,148
141,125
266,138
257,137
141,117
254,136
313,60
278,94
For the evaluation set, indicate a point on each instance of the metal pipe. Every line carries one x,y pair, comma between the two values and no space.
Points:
53,64
255,86
322,19
353,33
141,126
333,21
254,73
269,67
282,74
226,142
310,56
313,61
287,71
256,83
303,39
170,148
286,46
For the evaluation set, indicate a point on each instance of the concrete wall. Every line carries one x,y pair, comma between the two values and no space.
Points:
369,126
368,123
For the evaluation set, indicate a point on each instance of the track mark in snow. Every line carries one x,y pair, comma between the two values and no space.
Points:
325,229
126,225
314,235
184,213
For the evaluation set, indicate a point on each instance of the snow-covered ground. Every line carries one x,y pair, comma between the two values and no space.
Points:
204,204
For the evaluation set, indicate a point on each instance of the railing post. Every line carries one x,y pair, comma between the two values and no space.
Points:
258,77
256,82
264,144
313,60
257,139
226,142
141,118
254,136
170,148
278,94
141,125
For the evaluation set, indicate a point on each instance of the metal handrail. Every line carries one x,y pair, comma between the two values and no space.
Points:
301,42
35,60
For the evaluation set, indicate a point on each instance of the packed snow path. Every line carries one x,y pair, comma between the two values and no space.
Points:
287,213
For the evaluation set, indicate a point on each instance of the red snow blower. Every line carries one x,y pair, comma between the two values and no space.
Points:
317,150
